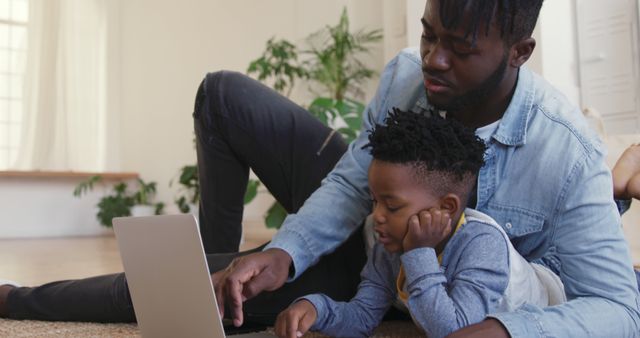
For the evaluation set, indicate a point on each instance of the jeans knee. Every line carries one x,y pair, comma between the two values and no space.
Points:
214,90
219,94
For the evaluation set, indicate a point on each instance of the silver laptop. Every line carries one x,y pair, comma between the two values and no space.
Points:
168,277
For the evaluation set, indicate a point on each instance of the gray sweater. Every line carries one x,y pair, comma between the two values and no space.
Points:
469,285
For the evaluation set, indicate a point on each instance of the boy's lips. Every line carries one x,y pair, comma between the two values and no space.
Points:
384,240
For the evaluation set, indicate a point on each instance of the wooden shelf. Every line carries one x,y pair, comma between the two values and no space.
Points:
68,174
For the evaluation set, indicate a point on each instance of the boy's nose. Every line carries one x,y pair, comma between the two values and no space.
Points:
378,217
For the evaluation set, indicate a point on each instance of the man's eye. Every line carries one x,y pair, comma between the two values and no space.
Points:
461,48
429,37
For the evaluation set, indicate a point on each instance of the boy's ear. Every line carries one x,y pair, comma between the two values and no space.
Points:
521,51
450,203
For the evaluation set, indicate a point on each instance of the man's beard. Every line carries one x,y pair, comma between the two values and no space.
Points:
476,96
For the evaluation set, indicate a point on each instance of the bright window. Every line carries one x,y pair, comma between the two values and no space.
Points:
14,16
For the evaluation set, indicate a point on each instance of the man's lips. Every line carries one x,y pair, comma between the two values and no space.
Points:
435,85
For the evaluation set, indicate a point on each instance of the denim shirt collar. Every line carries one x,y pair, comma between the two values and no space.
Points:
512,130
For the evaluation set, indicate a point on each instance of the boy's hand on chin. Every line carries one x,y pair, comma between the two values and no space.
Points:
427,229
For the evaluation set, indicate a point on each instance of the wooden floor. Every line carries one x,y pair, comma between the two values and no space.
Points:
37,261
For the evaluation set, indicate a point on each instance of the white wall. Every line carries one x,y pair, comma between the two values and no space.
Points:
415,10
39,207
168,46
558,40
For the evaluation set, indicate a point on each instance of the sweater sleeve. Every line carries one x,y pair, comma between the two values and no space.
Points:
362,314
473,289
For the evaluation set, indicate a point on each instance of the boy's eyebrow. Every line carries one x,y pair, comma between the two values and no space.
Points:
388,196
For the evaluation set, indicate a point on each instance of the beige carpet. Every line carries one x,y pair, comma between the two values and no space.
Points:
30,328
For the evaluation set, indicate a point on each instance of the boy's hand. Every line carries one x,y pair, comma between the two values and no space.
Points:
427,229
296,320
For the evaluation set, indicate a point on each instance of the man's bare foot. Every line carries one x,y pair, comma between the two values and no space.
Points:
4,293
626,174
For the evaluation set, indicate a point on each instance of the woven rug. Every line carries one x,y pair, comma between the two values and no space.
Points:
32,328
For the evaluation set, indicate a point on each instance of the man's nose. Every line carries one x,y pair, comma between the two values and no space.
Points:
436,58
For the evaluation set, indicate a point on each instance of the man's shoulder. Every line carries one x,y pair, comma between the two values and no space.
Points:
556,119
410,54
406,65
401,84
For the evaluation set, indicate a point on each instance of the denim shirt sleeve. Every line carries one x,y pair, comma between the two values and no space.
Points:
362,314
590,254
313,231
474,288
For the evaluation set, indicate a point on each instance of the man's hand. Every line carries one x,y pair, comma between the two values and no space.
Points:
296,320
487,328
427,229
247,276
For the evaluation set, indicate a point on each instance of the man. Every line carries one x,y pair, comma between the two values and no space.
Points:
544,182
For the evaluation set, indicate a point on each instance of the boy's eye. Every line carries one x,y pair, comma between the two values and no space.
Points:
392,209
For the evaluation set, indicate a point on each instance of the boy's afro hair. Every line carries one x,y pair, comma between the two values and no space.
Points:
429,143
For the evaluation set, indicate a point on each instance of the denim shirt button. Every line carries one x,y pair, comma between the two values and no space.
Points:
508,225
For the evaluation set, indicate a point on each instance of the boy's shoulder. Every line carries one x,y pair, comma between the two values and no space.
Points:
479,229
479,222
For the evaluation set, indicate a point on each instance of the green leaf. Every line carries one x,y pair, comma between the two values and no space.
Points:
159,208
182,204
86,186
252,191
275,216
323,108
354,122
278,64
189,176
348,134
323,102
113,206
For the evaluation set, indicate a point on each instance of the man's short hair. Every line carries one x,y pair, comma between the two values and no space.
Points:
432,146
515,19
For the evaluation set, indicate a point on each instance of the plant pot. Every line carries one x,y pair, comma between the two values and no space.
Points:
143,210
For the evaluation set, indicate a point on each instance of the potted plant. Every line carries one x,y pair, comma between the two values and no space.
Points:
142,200
189,191
121,202
332,64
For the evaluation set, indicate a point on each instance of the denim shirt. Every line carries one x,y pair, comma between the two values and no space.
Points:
544,181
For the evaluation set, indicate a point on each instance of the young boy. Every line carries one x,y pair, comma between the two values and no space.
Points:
451,272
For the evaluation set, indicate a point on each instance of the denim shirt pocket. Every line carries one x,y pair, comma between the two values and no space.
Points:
523,226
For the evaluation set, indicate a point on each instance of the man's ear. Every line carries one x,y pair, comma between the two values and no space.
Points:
450,203
521,51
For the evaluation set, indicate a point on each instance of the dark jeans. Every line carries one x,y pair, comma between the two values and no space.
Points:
239,124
